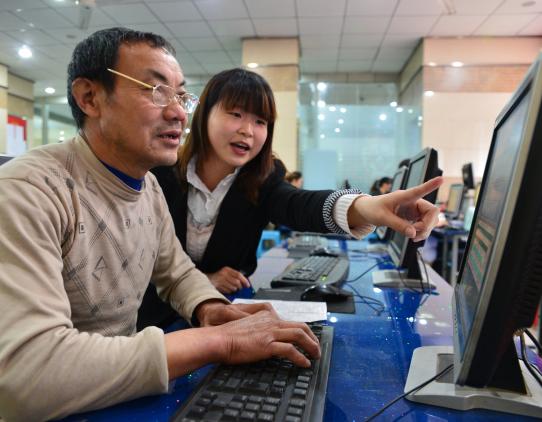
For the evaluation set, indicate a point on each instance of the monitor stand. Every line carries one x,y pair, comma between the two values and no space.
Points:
392,279
430,360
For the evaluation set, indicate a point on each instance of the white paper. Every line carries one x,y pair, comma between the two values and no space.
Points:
293,310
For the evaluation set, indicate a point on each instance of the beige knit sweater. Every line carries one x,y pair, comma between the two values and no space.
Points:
77,250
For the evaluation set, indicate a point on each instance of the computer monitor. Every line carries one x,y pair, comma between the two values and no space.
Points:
455,201
402,250
468,178
4,159
500,281
399,179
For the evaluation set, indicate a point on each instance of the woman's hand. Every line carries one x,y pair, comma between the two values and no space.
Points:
403,211
228,280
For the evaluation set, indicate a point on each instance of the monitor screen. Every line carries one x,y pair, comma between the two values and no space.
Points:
455,199
499,174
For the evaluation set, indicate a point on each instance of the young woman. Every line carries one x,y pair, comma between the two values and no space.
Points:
227,186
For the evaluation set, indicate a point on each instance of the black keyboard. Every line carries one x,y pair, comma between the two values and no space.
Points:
271,390
313,269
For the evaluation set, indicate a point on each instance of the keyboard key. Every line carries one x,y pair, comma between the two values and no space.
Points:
303,378
219,404
290,418
248,416
254,387
297,403
269,408
300,392
272,400
204,402
231,414
255,399
253,407
235,405
295,411
266,417
304,385
232,384
197,411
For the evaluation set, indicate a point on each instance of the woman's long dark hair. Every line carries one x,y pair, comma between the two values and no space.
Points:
233,88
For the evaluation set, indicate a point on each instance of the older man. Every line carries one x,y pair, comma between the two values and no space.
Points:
84,227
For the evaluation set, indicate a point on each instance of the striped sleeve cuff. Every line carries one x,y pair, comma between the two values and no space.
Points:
336,218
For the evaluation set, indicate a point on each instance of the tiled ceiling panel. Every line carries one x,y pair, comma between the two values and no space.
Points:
334,35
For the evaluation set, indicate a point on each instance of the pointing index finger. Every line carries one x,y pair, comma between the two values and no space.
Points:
421,190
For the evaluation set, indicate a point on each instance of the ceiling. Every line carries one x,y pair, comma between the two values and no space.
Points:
335,35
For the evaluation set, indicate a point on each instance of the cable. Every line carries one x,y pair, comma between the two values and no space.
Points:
526,360
424,269
535,341
370,301
441,373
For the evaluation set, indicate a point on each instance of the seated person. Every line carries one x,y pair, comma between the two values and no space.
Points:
295,178
381,186
84,227
227,186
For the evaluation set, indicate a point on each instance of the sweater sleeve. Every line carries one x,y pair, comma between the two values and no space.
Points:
49,369
175,276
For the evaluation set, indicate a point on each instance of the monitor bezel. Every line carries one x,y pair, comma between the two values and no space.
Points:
466,371
384,232
468,182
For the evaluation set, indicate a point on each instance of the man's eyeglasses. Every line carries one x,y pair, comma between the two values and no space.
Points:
163,95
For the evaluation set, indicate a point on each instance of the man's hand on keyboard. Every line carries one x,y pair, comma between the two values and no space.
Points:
404,211
215,312
262,336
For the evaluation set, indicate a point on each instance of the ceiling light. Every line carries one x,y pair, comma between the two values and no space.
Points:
337,130
410,111
383,116
340,121
50,90
321,116
429,93
62,132
321,86
457,64
61,138
393,104
187,130
321,103
322,136
420,118
31,25
342,110
332,108
18,10
252,65
399,109
432,64
25,52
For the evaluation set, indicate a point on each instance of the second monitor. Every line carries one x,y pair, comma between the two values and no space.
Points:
402,250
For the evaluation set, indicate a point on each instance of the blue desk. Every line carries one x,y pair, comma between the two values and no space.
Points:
369,365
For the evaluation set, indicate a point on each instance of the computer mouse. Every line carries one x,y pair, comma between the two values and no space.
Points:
323,252
325,293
